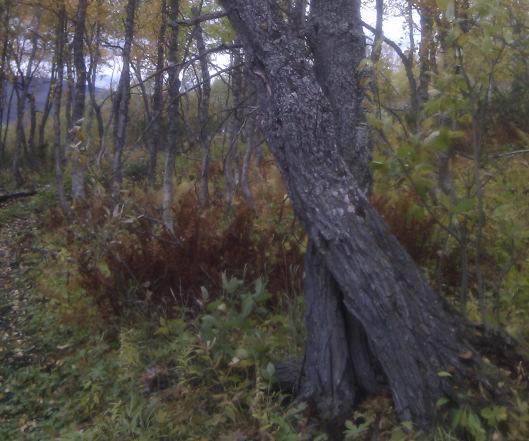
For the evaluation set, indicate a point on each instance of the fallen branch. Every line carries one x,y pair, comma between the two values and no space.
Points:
17,195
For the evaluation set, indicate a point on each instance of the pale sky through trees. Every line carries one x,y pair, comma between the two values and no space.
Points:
393,29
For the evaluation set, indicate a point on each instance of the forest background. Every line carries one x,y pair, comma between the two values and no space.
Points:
153,261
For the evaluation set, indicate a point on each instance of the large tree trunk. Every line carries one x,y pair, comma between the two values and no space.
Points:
332,331
410,332
78,107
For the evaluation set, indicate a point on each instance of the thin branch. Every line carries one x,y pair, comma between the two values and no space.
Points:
200,19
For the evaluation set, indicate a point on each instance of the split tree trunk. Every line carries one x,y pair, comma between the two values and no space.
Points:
337,360
410,332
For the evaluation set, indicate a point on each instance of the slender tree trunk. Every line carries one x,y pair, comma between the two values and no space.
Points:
410,332
379,32
57,98
477,135
173,112
427,46
8,115
157,99
20,141
78,106
231,167
148,115
45,116
70,89
121,106
32,153
92,78
25,78
251,144
4,19
203,115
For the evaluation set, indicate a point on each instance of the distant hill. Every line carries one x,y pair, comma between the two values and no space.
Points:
40,88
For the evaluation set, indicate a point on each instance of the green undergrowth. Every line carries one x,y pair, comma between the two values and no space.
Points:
159,369
188,376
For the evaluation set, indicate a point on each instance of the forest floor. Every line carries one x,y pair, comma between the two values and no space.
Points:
18,349
68,373
64,376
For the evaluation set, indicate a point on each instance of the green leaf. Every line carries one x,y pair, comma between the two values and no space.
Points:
269,371
441,402
464,205
398,435
494,414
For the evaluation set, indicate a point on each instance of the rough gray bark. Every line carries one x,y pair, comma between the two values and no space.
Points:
410,332
338,45
173,110
79,98
157,99
121,102
203,114
328,379
298,13
331,328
